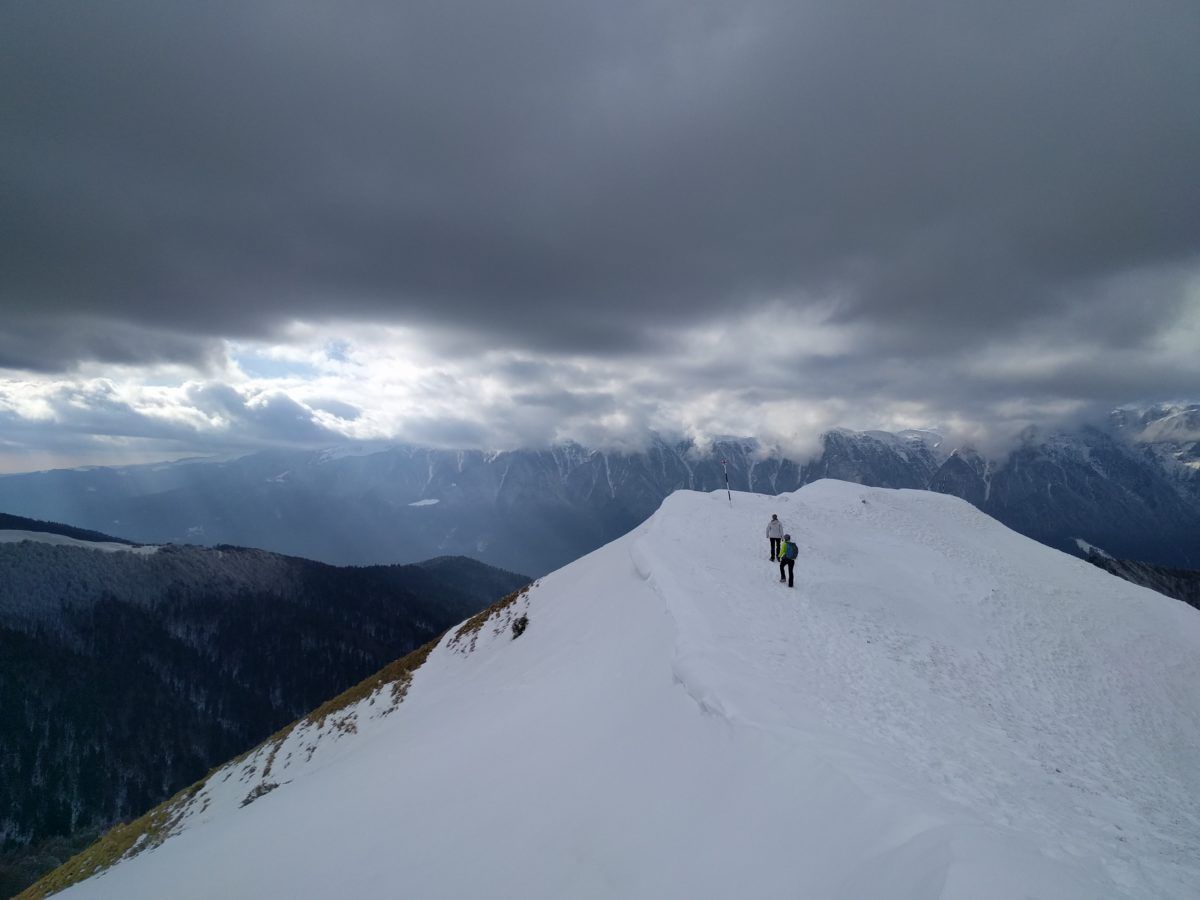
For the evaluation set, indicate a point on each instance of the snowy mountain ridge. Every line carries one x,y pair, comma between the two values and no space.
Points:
940,708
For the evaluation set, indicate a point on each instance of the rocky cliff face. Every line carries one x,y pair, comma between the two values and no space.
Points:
1168,433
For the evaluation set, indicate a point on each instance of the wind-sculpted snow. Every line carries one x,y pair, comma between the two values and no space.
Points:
940,708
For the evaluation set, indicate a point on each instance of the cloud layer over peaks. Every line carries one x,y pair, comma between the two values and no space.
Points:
947,208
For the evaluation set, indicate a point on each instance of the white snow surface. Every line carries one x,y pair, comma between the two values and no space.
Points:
427,502
1085,547
11,536
940,708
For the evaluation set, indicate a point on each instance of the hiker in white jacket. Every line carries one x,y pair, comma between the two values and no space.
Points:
774,533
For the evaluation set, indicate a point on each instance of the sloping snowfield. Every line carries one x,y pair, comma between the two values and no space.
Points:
8,536
940,708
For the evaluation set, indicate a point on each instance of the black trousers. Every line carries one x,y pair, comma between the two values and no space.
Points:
790,565
775,548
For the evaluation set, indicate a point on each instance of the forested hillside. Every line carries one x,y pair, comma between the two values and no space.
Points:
125,676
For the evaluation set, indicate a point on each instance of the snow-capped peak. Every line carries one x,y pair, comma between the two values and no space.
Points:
939,708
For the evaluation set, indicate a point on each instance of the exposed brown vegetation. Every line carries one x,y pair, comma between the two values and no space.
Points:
468,631
122,840
395,673
129,839
150,830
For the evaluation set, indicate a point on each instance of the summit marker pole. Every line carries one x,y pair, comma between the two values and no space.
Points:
725,467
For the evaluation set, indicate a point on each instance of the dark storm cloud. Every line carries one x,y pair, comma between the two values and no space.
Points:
586,176
47,342
84,418
272,417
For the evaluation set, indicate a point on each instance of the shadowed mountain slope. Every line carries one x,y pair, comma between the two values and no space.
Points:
126,673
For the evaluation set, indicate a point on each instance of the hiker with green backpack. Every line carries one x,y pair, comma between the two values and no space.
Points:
787,559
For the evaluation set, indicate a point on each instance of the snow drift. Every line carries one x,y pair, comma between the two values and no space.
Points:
940,708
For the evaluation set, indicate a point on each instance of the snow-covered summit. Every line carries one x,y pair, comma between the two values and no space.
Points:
940,708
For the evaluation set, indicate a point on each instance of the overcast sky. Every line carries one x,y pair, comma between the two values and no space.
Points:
493,224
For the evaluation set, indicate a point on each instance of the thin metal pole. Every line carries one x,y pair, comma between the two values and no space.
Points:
728,493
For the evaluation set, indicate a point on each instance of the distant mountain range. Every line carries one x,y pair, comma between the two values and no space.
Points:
1131,487
127,672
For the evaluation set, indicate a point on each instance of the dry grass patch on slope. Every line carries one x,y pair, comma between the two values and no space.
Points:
126,839
503,610
130,838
